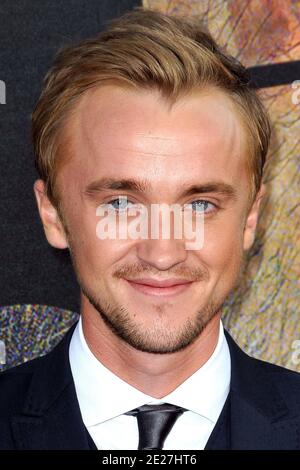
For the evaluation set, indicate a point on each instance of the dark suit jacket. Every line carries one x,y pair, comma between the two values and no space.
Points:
39,408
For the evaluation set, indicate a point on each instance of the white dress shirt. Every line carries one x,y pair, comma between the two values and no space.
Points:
103,398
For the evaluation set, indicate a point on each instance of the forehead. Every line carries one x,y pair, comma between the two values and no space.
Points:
116,131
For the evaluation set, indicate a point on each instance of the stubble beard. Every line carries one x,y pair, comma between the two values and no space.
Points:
159,338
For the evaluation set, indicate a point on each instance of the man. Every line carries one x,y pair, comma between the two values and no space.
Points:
150,112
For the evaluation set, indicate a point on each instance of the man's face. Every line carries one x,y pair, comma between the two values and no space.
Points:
122,134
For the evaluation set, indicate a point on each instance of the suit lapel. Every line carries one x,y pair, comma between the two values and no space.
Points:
51,417
259,416
220,438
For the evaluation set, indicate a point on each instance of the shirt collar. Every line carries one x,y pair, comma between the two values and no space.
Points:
102,395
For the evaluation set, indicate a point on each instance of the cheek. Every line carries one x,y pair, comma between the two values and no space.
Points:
95,256
92,255
87,250
222,248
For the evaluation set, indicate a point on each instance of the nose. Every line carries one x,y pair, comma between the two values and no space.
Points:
162,254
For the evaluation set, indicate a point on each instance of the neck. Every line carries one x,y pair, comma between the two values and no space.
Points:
153,374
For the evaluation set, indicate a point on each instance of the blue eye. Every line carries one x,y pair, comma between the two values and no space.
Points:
119,204
201,206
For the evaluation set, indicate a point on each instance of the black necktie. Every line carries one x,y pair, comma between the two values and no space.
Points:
154,423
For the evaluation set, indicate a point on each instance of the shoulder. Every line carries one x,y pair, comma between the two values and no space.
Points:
36,379
287,381
14,385
263,378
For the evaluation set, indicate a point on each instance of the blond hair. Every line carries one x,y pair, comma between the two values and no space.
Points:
145,49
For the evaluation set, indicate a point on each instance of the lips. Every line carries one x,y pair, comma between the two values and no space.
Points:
159,283
155,287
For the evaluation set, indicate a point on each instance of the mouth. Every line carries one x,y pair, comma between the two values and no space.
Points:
159,288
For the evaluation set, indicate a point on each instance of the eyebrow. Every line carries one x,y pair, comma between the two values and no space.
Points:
143,186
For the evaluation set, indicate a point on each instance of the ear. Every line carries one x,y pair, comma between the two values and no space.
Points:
252,218
53,227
